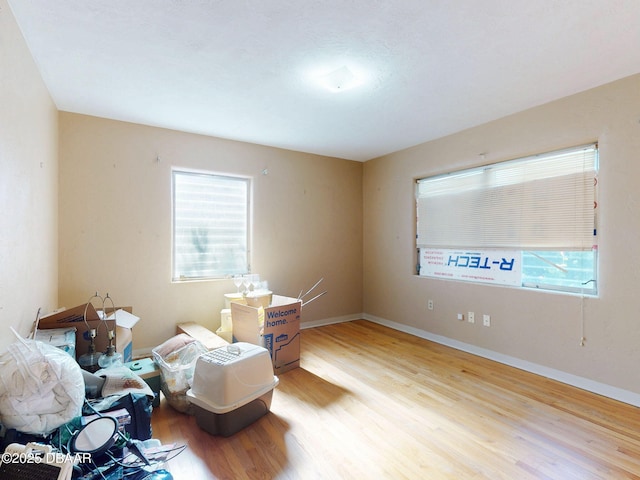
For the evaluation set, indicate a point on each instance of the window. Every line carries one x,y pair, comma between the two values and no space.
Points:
529,222
210,225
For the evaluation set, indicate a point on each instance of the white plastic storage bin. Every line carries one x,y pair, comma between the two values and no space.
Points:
232,388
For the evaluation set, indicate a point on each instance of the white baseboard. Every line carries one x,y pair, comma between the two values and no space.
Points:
609,391
141,353
599,388
331,321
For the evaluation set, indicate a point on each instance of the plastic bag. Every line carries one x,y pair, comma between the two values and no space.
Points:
41,387
177,361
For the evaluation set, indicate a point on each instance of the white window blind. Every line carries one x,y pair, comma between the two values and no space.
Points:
210,225
544,202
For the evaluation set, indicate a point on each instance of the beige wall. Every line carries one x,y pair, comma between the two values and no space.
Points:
28,186
533,326
314,217
115,223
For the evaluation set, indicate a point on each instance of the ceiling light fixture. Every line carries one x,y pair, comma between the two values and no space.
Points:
339,80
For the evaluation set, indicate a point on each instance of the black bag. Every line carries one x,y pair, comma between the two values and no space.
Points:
139,407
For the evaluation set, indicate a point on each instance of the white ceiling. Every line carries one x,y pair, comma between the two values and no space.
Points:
242,69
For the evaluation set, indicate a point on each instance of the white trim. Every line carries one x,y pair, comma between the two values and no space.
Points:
609,391
141,353
331,321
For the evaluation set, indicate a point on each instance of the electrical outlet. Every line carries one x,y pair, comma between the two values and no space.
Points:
430,304
486,320
471,317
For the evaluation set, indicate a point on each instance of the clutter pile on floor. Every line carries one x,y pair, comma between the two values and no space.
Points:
70,411
62,422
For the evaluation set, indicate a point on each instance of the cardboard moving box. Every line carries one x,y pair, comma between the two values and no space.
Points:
125,321
277,328
75,317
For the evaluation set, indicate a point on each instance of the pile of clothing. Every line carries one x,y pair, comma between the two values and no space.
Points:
41,387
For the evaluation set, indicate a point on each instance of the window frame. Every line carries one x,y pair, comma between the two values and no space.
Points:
433,255
181,277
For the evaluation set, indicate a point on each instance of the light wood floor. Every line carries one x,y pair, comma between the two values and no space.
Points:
372,403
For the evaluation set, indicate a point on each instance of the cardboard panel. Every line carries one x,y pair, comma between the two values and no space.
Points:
202,334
